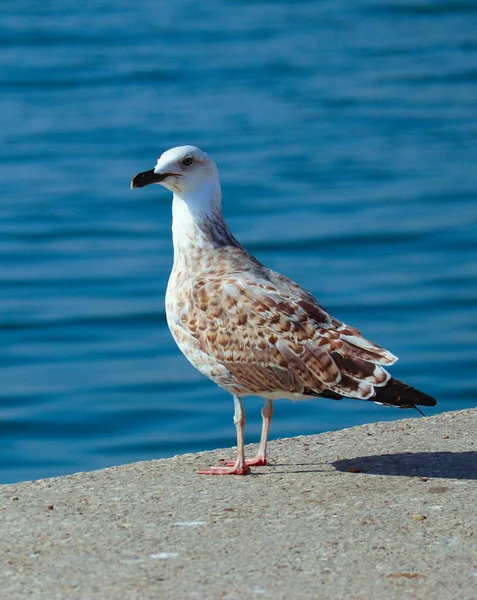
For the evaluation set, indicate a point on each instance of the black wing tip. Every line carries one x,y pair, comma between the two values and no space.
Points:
394,393
398,393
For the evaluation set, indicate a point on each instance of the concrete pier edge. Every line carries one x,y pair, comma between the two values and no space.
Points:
386,510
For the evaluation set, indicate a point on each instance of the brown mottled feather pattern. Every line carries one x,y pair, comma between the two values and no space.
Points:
265,334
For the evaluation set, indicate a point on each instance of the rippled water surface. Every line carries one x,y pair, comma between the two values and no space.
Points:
346,138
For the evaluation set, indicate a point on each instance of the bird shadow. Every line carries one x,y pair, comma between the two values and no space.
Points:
447,465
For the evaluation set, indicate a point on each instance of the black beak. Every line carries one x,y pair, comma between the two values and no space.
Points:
142,179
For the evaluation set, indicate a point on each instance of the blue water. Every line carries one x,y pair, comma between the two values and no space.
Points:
345,133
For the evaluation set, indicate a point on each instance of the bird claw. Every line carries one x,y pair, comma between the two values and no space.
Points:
233,469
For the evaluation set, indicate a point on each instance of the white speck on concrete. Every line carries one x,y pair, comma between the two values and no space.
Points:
163,555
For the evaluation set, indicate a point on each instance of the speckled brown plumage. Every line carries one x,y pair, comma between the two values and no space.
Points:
269,334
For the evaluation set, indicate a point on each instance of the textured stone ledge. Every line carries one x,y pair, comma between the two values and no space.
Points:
387,510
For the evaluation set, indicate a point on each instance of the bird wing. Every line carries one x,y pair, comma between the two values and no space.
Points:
273,336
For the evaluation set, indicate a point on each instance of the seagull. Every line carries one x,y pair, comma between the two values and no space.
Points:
251,330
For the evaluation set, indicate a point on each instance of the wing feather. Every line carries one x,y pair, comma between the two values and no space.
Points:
376,353
274,337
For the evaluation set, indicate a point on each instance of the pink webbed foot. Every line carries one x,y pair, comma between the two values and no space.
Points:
232,469
258,461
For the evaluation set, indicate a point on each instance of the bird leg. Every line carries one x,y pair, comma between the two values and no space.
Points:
238,467
261,458
267,413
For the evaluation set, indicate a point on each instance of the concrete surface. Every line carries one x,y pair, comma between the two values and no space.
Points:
384,511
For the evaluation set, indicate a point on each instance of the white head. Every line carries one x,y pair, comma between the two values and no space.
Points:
184,170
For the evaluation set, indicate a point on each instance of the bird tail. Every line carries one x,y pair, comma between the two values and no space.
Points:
394,393
397,393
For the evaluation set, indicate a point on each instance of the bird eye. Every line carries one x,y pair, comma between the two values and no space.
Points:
187,161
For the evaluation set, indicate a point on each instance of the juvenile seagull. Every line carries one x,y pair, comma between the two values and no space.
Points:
250,329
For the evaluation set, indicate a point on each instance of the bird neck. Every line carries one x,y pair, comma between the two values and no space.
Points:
197,220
